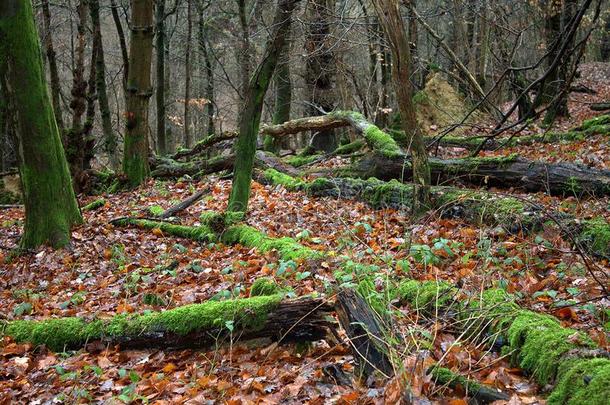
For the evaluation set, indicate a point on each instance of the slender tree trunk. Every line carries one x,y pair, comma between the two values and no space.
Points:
283,94
50,204
88,138
122,42
75,143
110,140
209,75
53,72
162,146
245,51
135,159
391,20
250,115
188,137
320,73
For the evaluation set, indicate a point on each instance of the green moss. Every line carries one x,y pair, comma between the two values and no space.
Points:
596,121
219,222
156,210
198,233
275,177
94,205
62,333
298,161
541,342
444,376
264,286
595,235
287,248
426,295
350,148
582,382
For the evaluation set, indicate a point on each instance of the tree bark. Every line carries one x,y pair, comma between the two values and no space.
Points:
110,139
135,159
209,76
162,146
391,20
188,136
50,204
320,69
122,42
53,72
250,115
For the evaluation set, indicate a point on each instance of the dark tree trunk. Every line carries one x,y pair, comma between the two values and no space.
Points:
162,146
122,42
88,138
188,136
50,205
53,72
110,139
320,69
208,66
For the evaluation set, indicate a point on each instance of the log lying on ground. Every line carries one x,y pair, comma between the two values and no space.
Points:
537,343
508,171
477,206
168,168
216,228
478,392
195,325
600,106
92,206
204,144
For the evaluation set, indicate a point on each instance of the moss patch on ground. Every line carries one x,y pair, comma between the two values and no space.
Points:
287,248
595,235
198,233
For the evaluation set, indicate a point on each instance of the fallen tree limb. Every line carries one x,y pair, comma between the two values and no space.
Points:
479,392
478,206
182,205
537,343
509,171
92,206
600,107
195,325
204,144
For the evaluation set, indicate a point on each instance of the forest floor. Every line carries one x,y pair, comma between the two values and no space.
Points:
110,270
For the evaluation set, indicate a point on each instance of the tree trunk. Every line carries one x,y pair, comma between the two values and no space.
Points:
88,138
250,115
188,136
75,142
391,20
50,204
53,72
135,159
209,76
244,55
110,139
162,146
283,95
320,69
122,42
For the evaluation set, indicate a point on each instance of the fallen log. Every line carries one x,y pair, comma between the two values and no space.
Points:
204,144
478,392
600,107
508,171
538,343
182,205
478,206
195,325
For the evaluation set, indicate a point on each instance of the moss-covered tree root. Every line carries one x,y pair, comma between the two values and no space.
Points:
479,392
220,228
478,206
196,325
537,343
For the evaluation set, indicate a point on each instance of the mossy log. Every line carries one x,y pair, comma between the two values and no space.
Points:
478,392
376,139
169,168
478,206
195,325
509,171
537,343
220,228
94,205
204,145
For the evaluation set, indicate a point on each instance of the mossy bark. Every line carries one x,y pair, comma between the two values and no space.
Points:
50,203
53,71
138,92
250,115
195,325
